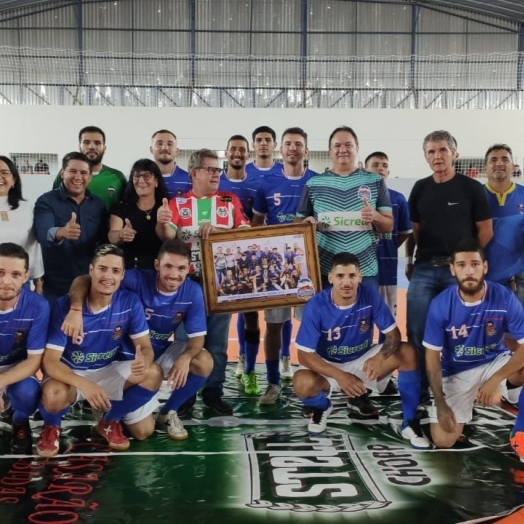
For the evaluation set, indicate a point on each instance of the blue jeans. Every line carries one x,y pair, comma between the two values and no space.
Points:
216,343
426,283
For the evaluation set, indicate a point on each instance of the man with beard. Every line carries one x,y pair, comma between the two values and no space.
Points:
107,183
165,150
464,342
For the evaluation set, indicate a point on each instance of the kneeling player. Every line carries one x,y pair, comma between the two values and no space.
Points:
23,334
168,298
87,367
465,354
335,345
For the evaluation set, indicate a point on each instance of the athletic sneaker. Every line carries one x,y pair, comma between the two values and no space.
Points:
271,395
48,443
187,406
413,433
219,406
318,422
113,434
250,383
516,441
286,370
172,424
362,406
21,440
240,366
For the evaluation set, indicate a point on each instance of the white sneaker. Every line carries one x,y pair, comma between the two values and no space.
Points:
240,366
173,425
318,422
271,395
286,370
413,433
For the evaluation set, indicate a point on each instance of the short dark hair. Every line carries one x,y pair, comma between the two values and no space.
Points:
342,128
107,249
76,155
11,250
264,129
145,164
162,131
238,137
174,246
468,245
377,154
345,259
15,193
91,129
495,147
295,131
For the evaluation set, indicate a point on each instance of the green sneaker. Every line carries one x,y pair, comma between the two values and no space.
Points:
250,383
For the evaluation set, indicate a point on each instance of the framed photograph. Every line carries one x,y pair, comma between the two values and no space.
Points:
263,267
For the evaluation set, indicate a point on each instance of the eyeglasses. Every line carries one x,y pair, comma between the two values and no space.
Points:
5,174
210,170
146,176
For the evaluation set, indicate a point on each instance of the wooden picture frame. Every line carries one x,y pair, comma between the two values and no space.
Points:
271,283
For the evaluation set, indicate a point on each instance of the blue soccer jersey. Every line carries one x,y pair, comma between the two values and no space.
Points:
387,250
506,204
343,334
23,328
253,170
106,332
279,196
470,335
245,190
164,311
177,183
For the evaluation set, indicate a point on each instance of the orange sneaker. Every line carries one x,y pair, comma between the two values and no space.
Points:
516,441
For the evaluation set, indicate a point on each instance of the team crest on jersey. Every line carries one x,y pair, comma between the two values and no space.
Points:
179,315
185,235
185,213
111,190
490,329
19,337
363,326
117,333
364,192
222,212
226,199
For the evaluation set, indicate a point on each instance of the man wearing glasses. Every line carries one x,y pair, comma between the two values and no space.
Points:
68,223
194,216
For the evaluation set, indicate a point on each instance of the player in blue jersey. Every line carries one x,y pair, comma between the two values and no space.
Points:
335,343
276,203
164,150
465,354
264,143
168,299
89,367
24,319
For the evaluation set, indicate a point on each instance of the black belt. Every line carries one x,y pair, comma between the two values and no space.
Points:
440,261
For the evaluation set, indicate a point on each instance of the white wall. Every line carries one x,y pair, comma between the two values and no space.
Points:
54,129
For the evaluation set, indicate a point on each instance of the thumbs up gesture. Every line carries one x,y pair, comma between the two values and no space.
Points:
367,212
71,231
164,214
127,233
138,366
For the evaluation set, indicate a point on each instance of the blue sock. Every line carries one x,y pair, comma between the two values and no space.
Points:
319,402
134,397
409,388
519,423
272,371
180,395
287,330
252,345
241,330
24,399
52,419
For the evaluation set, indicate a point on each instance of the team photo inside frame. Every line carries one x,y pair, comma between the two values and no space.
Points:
263,267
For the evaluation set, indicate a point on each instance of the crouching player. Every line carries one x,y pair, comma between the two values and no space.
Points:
336,350
465,354
24,317
87,367
168,298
